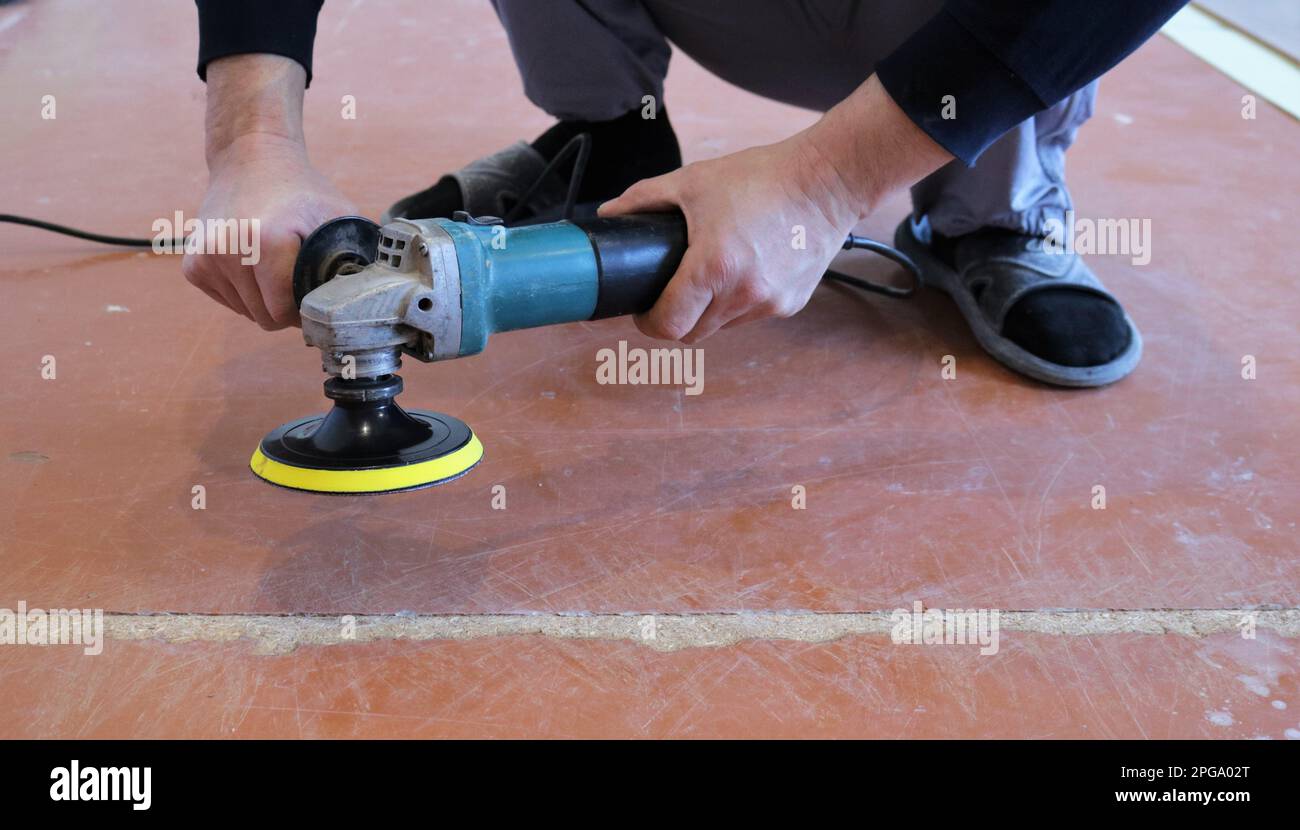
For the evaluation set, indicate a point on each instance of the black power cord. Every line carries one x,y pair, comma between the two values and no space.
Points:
125,241
580,144
890,253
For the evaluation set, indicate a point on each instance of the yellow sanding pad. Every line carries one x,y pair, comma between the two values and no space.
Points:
381,480
289,457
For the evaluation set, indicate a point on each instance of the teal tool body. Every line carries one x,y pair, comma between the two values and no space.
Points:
436,289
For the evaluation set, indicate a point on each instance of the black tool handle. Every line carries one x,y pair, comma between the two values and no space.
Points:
636,256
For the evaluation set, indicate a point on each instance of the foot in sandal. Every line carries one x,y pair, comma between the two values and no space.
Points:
1040,312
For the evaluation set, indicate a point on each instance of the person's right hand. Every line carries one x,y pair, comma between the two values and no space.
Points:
267,178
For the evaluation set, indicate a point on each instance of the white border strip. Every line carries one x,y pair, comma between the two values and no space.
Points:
1248,62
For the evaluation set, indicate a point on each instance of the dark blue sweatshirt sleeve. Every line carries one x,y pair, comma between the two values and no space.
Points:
1005,60
238,27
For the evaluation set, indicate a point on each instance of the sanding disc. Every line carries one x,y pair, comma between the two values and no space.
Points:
288,458
367,444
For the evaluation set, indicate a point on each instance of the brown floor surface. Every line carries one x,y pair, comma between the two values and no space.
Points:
1124,686
967,493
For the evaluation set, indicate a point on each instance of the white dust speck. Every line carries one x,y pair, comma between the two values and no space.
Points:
1292,734
1279,705
1219,718
1253,683
116,309
1123,119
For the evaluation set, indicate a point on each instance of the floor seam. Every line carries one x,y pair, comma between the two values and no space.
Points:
278,634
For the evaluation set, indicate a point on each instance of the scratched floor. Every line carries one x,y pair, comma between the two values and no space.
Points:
975,492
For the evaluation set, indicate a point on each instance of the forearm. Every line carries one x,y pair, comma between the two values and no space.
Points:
997,64
865,148
253,96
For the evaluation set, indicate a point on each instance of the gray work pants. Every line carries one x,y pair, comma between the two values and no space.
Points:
596,59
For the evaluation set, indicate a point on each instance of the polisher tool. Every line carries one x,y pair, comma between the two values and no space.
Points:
436,289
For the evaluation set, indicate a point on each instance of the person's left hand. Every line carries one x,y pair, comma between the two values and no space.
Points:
763,224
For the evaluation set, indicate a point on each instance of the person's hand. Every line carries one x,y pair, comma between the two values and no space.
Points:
269,179
258,169
763,224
